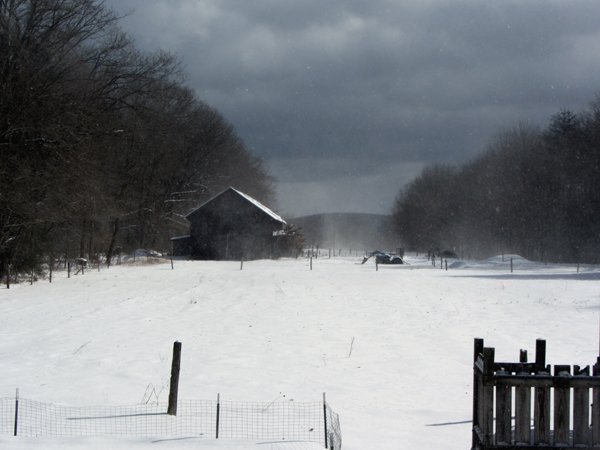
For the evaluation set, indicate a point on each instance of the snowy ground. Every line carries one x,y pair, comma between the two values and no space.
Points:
392,348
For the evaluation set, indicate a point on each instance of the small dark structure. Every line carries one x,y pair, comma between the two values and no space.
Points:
448,254
231,226
505,395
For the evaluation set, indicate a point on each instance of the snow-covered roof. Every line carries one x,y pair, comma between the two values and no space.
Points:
255,202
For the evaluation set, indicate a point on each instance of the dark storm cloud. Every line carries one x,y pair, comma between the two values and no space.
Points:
347,100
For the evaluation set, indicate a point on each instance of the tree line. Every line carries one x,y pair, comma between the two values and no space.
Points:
101,145
535,191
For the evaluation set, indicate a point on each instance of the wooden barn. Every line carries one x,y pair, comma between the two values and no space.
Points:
230,226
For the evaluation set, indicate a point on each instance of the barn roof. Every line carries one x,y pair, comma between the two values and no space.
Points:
255,202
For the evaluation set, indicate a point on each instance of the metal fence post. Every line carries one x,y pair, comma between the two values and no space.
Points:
16,412
325,418
218,415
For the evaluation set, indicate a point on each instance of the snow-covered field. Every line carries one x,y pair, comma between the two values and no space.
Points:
391,348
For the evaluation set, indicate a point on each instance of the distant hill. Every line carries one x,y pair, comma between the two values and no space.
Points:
348,231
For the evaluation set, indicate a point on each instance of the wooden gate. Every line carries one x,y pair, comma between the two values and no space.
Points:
526,405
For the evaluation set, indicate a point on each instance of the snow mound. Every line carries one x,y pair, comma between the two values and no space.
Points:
458,264
503,259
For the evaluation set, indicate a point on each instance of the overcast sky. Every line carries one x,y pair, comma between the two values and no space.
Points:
347,100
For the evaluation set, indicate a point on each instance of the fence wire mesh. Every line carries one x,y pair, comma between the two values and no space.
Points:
334,431
275,421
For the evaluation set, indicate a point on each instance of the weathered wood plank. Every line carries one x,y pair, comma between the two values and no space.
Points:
596,408
547,381
487,416
477,350
512,367
541,447
541,414
503,415
581,410
523,415
562,403
540,355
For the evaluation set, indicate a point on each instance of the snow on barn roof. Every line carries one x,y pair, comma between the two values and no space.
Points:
255,202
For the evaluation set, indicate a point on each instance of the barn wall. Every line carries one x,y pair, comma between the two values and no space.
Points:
230,227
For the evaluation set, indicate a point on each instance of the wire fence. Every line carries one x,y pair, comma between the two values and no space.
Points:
276,421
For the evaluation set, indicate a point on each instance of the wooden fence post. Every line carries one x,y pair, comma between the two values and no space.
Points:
311,263
503,412
174,385
596,407
581,410
511,265
477,350
541,407
8,276
562,403
540,355
487,411
523,408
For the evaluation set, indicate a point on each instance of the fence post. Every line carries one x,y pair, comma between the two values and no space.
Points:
218,415
16,411
311,263
541,408
596,407
8,276
523,408
325,419
540,355
174,385
69,269
242,263
477,350
487,411
511,265
581,409
503,412
562,405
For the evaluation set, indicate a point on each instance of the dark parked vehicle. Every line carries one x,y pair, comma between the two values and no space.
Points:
384,258
448,254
